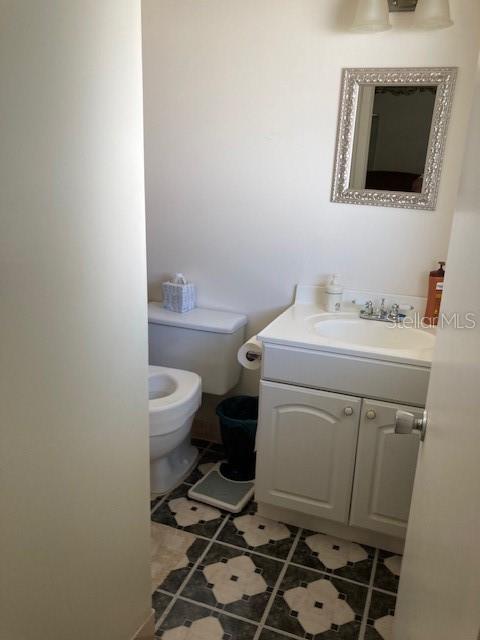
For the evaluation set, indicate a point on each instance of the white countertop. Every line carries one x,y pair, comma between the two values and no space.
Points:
295,327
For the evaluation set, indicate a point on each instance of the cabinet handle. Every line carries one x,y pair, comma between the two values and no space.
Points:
406,422
348,411
371,414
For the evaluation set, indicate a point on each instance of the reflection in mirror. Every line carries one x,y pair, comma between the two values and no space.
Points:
391,137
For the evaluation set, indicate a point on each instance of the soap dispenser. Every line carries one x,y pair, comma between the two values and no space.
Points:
435,289
334,294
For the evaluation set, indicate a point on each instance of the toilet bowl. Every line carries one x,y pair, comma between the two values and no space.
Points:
174,397
204,341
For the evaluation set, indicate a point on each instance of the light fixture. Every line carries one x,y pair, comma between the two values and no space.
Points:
371,15
432,14
401,5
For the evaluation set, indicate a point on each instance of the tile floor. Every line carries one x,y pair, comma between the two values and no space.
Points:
221,576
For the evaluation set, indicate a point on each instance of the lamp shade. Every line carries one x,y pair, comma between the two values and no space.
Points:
432,14
371,15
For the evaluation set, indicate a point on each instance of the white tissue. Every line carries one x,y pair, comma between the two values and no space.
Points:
179,279
252,346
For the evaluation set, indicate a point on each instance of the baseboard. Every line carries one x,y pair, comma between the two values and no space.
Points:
314,523
147,630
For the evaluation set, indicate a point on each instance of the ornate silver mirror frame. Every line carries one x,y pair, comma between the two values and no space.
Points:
352,80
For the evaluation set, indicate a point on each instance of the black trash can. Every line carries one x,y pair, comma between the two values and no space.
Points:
238,426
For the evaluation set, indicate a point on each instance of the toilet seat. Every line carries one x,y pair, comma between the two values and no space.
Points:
174,396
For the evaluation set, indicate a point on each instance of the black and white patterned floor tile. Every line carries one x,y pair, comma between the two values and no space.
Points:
380,616
387,574
251,531
188,621
160,602
332,555
178,511
270,634
237,582
314,605
176,577
208,459
244,577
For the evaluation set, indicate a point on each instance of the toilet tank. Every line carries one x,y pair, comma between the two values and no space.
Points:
205,341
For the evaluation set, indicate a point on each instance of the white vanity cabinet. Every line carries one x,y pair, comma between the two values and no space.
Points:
384,470
334,457
328,457
306,444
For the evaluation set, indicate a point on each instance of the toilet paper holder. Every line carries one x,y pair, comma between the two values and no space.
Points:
250,354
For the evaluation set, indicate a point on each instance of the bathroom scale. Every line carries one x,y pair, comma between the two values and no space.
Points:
218,491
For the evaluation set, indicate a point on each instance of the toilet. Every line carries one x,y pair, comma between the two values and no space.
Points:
188,353
174,397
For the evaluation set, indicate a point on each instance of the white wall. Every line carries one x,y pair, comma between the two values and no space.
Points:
73,441
241,104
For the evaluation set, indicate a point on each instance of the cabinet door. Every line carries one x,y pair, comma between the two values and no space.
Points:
385,470
306,443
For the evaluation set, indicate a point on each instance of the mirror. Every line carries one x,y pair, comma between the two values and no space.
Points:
391,136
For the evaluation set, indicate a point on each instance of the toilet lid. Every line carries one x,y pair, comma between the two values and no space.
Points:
174,396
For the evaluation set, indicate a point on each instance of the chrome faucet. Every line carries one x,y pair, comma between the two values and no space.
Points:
380,312
394,314
367,310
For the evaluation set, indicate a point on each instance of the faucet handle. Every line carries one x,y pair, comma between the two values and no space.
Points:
379,309
368,307
394,311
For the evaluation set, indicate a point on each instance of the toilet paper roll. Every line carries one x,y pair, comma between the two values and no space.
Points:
250,354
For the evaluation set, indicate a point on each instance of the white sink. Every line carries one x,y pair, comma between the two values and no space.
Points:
307,325
349,329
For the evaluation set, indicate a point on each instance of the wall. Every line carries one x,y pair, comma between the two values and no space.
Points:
241,103
74,537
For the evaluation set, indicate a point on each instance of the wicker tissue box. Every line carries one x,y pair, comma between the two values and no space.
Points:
179,296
